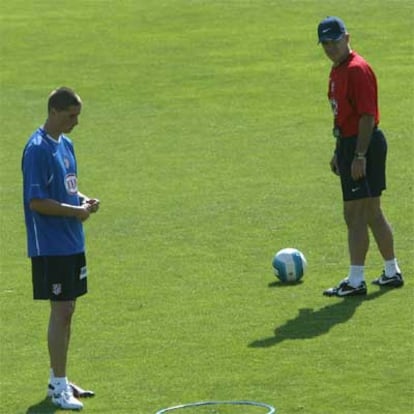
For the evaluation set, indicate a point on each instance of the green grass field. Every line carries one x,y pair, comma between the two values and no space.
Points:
206,134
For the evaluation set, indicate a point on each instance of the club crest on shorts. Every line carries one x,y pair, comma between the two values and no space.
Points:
57,289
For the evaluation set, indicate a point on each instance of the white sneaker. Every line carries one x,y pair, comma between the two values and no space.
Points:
66,400
77,391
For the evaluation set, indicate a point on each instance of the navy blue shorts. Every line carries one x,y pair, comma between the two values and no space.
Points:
373,183
59,278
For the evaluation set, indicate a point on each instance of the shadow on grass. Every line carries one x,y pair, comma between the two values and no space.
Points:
43,407
311,323
278,284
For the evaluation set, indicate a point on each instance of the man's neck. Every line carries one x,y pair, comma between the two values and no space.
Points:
343,59
52,131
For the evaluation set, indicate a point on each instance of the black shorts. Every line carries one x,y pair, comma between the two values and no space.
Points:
373,183
59,278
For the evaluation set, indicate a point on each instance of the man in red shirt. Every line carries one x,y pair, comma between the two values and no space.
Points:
359,159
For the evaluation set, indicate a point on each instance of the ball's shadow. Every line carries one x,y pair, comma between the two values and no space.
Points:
279,284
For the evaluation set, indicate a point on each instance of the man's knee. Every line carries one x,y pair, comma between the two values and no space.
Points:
63,310
356,213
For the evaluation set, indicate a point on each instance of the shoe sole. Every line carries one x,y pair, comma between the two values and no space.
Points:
393,284
59,405
362,293
358,293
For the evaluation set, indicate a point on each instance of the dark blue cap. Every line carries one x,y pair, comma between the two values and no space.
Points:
331,28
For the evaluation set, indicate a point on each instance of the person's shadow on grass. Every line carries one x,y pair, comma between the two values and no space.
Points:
43,407
310,323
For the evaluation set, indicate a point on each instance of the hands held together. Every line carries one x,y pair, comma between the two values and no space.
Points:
88,206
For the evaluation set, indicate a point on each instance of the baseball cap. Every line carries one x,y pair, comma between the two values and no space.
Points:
331,28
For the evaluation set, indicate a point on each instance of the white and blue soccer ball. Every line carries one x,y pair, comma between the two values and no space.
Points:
289,265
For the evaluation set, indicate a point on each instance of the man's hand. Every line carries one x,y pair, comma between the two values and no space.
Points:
358,168
92,204
82,212
334,165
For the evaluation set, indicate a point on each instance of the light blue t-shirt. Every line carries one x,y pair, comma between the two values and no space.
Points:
50,171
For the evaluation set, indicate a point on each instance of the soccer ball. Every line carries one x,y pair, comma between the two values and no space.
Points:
289,265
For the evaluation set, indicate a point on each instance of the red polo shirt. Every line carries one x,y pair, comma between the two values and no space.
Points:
352,93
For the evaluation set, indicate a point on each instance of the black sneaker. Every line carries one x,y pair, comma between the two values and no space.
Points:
345,289
393,281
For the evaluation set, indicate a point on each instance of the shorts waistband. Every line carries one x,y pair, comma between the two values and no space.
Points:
336,132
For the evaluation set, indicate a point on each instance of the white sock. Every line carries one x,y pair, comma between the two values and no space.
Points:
391,267
60,383
356,275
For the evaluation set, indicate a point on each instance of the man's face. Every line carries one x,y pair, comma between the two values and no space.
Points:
67,119
337,50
